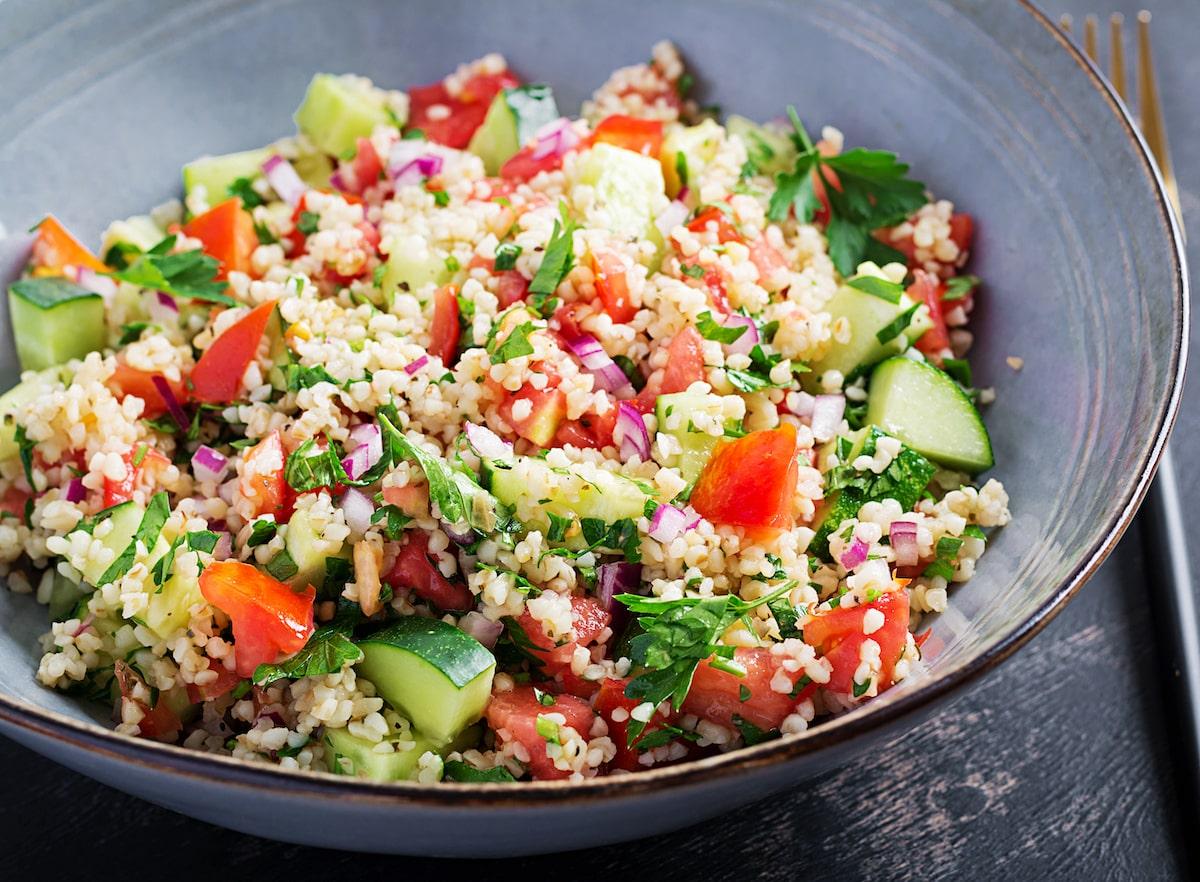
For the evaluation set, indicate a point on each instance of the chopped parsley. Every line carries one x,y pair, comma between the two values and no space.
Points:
282,566
243,188
710,330
958,287
308,222
147,533
190,275
896,326
877,287
558,258
515,344
692,270
132,332
261,532
457,770
681,167
300,377
506,256
327,651
393,519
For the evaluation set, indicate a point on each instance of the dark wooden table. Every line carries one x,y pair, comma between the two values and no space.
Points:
1057,765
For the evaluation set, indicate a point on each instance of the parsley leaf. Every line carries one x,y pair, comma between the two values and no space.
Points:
958,287
393,519
710,330
457,770
558,259
282,566
25,449
261,532
151,525
877,287
308,222
189,275
515,344
132,332
326,652
243,188
896,326
506,256
301,377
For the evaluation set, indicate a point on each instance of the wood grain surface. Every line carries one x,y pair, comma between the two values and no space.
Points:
1055,766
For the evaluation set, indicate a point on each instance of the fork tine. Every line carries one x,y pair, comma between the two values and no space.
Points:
1116,55
1150,110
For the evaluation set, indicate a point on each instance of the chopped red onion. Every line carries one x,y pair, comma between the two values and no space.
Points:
356,463
457,536
903,536
481,628
408,162
827,415
801,404
749,337
88,278
76,492
668,522
366,436
591,354
209,464
284,180
487,443
414,366
855,554
161,307
84,625
671,217
166,301
554,138
682,195
358,509
227,490
617,578
169,399
634,437
223,550
338,182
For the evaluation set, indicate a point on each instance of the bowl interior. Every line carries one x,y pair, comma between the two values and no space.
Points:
100,106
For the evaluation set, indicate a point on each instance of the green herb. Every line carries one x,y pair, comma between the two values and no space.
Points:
132,332
327,651
299,376
874,191
452,264
393,519
958,287
148,529
973,531
25,447
457,770
165,565
441,198
877,287
684,84
545,699
241,689
681,167
139,455
338,572
861,688
189,275
443,491
558,258
959,369
743,692
948,547
751,734
202,540
243,188
310,466
677,636
506,256
292,749
558,527
308,222
786,617
282,566
758,375
630,369
413,135
547,728
377,275
896,326
261,532
799,686
515,344
710,330
118,254
692,270
264,234
943,568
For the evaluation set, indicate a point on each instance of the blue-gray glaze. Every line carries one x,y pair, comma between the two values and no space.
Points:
100,105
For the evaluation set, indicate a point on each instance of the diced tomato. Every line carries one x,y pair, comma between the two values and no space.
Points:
750,482
367,165
412,499
217,377
566,319
644,136
715,282
413,569
685,362
589,619
226,232
612,286
158,722
522,166
126,380
370,234
55,249
716,695
516,713
928,289
715,218
611,697
225,682
548,408
13,502
767,260
444,329
590,430
151,463
466,111
838,636
269,619
511,287
962,230
262,482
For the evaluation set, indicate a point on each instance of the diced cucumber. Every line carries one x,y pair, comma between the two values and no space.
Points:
216,173
697,446
15,399
926,409
771,151
64,597
139,231
439,677
512,119
54,321
698,144
401,765
338,110
868,315
835,508
628,186
411,266
587,492
314,169
309,551
167,610
125,518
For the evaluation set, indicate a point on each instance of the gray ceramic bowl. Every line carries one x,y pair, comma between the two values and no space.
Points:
99,106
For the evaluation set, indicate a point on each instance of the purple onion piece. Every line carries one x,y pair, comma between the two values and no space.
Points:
458,537
209,464
481,628
412,367
169,399
76,492
358,509
668,522
635,439
749,338
855,555
592,356
284,180
487,443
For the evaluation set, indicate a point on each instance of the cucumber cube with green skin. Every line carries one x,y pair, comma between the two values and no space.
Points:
929,412
769,150
125,518
309,551
12,401
513,117
315,169
217,173
337,111
697,446
54,321
139,231
867,315
410,267
401,765
835,508
698,144
64,597
628,188
437,676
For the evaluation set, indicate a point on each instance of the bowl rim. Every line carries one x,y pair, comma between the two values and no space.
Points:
842,731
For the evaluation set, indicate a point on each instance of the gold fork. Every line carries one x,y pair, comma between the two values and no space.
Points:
1150,115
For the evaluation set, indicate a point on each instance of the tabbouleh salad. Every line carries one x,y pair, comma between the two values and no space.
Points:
455,439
